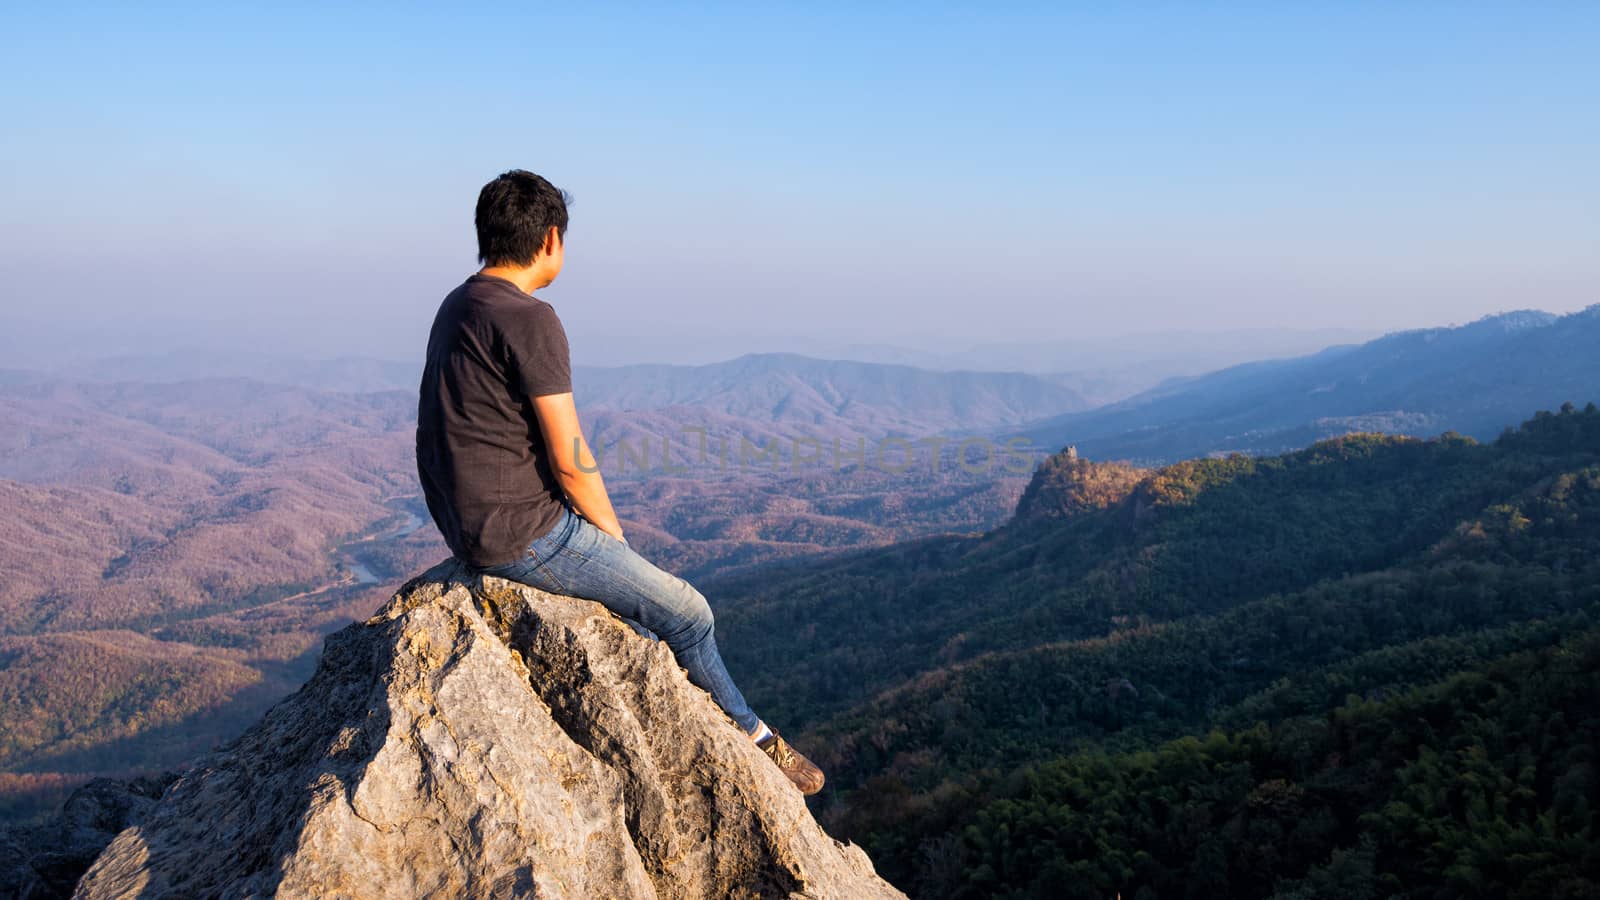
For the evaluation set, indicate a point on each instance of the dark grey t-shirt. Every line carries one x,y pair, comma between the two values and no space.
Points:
480,451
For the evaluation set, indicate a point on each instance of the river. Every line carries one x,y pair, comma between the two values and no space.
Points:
349,557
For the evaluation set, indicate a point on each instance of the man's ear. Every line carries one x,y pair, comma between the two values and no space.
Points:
552,240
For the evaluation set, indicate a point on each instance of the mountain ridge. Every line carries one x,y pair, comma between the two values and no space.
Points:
1478,379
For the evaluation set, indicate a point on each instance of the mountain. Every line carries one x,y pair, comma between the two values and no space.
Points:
478,738
1476,379
1067,485
771,388
827,394
1102,369
1260,675
1109,368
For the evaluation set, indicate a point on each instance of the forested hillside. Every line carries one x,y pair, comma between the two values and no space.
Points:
1366,668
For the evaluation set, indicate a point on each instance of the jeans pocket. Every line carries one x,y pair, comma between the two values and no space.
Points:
546,545
532,570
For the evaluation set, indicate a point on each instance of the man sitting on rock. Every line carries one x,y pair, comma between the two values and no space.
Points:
507,474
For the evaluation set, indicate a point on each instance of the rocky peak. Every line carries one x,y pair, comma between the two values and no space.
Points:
479,738
1066,484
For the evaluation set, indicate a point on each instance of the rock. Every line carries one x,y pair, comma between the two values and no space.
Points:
480,738
45,860
1118,688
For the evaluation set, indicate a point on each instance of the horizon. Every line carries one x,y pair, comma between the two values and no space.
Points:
833,177
942,357
935,356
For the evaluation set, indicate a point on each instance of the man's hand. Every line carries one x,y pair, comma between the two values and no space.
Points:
573,464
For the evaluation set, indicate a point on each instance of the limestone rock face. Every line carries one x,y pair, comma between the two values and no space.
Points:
480,738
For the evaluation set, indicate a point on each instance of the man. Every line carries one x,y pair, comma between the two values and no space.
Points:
506,472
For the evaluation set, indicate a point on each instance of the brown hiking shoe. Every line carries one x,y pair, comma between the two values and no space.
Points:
803,772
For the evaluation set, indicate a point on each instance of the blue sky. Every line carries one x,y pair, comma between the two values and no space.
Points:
911,174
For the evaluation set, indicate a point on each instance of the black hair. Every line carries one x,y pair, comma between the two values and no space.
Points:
515,211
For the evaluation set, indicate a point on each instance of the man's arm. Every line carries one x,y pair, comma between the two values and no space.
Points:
572,463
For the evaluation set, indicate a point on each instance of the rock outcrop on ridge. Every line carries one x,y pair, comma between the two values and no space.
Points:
44,861
480,738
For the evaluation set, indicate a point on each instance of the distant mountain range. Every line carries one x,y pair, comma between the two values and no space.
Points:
1476,379
799,390
1100,368
348,374
763,388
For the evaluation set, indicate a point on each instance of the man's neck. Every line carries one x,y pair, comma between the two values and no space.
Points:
526,278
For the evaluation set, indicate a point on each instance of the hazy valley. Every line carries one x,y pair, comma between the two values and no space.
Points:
175,551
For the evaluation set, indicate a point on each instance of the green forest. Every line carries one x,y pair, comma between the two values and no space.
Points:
1369,668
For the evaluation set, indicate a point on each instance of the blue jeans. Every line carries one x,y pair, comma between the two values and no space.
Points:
577,559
